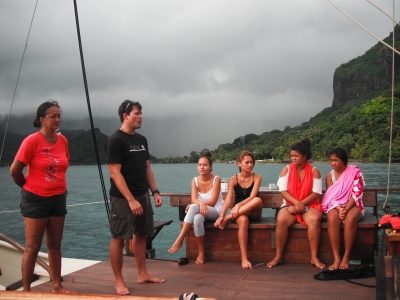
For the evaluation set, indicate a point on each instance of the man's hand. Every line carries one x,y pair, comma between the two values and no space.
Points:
157,199
136,208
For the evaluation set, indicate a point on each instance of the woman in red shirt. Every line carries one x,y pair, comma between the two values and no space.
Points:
44,192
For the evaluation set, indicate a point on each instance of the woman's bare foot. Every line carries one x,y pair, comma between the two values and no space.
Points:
175,247
223,223
150,279
200,259
121,288
273,263
317,263
62,290
344,264
246,264
335,265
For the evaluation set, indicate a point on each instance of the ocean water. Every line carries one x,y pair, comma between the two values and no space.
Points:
86,232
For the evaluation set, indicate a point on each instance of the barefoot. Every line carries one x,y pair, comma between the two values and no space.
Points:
246,264
149,279
273,263
175,247
223,223
335,265
62,290
200,259
344,264
121,288
317,263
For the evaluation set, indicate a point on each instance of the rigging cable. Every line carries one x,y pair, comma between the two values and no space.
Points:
16,85
386,204
90,113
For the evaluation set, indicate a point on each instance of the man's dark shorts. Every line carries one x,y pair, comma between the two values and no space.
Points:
38,207
124,224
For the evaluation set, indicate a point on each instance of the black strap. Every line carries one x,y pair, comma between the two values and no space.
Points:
363,270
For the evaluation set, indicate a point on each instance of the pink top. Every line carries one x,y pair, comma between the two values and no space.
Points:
349,185
47,164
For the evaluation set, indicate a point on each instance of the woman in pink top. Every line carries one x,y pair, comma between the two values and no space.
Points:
44,192
342,203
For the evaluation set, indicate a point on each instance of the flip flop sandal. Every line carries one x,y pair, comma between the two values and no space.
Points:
191,296
183,261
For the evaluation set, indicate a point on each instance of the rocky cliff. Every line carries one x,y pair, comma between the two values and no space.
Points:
367,74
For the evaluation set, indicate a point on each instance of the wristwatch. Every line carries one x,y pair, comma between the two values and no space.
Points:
154,192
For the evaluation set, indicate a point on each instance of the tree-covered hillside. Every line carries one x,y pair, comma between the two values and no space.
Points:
361,127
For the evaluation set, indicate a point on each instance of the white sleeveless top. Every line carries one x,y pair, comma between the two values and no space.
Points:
203,197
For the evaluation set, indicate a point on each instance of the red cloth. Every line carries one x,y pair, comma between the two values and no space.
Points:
385,219
300,190
47,164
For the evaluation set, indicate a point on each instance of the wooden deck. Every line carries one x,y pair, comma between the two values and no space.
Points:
219,280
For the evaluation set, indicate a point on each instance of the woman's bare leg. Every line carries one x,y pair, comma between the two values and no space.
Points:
334,237
34,231
179,240
243,222
202,252
54,234
283,221
350,232
313,220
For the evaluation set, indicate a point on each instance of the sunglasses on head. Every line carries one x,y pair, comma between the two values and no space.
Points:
129,104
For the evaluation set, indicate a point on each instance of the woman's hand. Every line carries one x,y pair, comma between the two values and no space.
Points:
203,209
187,208
235,212
299,207
292,210
342,213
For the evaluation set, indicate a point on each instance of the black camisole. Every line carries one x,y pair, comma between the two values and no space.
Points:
241,193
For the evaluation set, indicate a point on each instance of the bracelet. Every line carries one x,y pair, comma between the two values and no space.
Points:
154,192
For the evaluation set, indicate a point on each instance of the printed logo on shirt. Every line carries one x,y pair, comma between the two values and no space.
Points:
51,170
137,148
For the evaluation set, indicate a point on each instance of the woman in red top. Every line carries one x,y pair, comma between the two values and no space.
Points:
300,185
44,192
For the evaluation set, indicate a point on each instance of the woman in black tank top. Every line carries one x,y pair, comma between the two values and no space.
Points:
243,196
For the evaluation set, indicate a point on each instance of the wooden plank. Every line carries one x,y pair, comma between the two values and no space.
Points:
271,199
11,295
219,280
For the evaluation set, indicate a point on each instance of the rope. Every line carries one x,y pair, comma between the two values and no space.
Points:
69,205
386,204
16,85
90,113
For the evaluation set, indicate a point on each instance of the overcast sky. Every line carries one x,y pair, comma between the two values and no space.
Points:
206,72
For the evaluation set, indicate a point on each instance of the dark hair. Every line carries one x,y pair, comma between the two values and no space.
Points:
206,154
243,154
126,107
341,153
41,111
303,147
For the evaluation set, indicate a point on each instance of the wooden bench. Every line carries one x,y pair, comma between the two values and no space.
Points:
223,244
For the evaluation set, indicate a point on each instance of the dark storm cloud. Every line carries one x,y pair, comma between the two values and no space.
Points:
206,72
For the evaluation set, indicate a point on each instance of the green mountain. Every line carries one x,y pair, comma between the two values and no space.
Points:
359,119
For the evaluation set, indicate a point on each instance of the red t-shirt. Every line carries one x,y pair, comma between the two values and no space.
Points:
47,164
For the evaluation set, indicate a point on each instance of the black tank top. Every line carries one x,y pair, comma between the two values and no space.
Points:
241,193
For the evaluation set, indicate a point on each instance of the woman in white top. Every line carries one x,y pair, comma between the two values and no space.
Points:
206,205
300,185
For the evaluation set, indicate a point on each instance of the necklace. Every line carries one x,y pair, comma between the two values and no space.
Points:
244,191
123,130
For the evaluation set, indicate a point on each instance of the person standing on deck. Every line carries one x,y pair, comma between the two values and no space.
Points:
131,178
